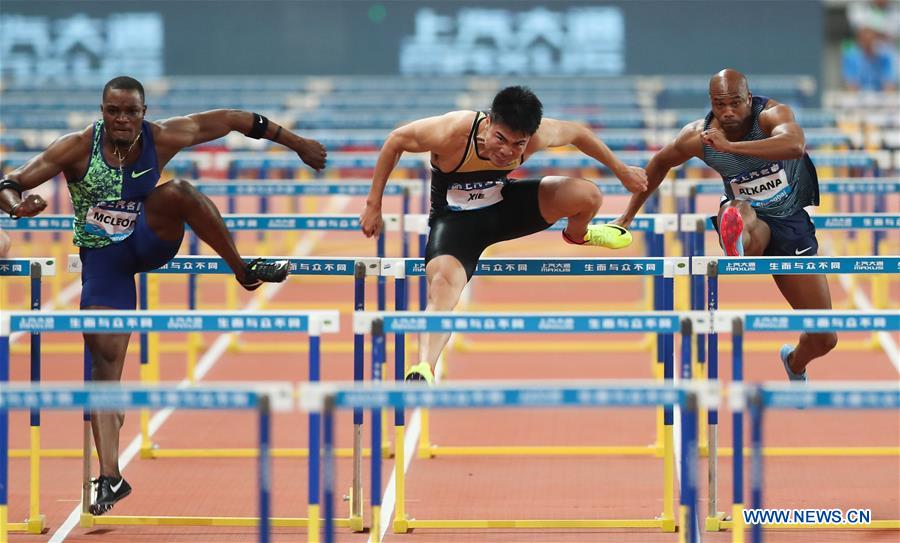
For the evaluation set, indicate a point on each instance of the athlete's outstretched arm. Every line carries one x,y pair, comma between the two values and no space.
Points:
179,132
786,140
555,133
61,155
675,153
421,136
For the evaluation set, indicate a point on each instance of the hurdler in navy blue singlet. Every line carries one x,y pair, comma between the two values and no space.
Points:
778,190
111,228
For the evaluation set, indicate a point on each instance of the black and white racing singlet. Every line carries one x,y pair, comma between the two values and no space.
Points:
775,188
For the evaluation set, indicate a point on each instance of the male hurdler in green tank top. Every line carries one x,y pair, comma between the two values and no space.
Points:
106,206
126,224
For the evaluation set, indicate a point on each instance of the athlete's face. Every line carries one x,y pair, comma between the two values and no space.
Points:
730,107
123,112
503,145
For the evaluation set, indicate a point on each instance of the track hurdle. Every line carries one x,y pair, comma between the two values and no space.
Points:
314,222
56,224
359,268
328,398
400,323
739,323
35,269
662,269
758,399
712,268
696,224
654,226
262,398
313,323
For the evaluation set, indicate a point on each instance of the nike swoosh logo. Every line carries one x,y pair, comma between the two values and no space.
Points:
621,230
116,487
798,252
135,175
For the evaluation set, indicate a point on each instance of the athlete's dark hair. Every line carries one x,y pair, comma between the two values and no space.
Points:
123,82
517,108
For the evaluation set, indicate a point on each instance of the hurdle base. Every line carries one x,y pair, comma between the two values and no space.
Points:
400,525
17,527
281,452
89,521
36,525
715,524
148,452
357,521
49,453
874,525
387,450
667,524
817,451
662,524
432,450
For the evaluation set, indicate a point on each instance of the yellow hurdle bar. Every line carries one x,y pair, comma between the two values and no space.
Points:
537,523
465,346
343,347
248,452
874,525
47,453
430,451
817,451
89,521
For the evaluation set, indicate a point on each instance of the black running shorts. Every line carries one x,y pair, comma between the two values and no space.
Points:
466,234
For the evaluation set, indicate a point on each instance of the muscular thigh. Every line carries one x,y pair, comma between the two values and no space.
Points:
150,250
804,291
462,235
107,277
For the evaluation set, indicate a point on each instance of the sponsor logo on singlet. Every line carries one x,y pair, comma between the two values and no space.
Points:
475,195
112,220
764,186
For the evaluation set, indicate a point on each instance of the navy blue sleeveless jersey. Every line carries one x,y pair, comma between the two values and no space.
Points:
775,188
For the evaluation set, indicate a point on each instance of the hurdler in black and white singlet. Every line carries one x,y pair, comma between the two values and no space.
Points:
775,188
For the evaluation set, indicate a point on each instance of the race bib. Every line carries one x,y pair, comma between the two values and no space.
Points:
112,220
469,196
761,187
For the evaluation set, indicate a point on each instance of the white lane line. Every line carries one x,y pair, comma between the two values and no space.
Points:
887,341
414,428
206,363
